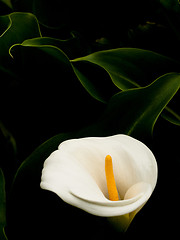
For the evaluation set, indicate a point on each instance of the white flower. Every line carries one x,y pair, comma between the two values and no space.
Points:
76,173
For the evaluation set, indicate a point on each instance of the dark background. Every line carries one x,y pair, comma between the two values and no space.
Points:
31,114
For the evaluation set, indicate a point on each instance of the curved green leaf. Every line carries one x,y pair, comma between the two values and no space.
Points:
97,83
47,45
15,28
131,68
2,206
72,46
171,116
7,2
134,112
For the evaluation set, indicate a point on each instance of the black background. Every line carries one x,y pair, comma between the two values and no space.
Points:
32,115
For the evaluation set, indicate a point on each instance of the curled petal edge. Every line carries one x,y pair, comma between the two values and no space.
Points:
105,208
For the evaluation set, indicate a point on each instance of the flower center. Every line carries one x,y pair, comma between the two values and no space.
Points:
111,184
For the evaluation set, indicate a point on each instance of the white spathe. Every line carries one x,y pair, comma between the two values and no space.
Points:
76,173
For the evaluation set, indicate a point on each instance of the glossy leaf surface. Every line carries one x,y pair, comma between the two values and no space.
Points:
131,68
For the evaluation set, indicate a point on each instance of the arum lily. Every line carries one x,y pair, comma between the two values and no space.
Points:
106,176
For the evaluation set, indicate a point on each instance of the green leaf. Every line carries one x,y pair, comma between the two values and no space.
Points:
43,47
15,28
134,112
8,3
130,68
71,46
2,206
97,83
168,116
